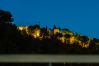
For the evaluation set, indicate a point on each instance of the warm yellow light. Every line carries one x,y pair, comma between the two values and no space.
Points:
62,39
86,45
36,33
20,28
72,40
56,31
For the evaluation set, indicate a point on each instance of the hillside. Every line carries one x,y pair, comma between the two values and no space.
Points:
42,40
65,36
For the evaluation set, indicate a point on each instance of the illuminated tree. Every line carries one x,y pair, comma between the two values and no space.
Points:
31,28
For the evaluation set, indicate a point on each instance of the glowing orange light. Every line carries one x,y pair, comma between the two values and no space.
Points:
56,31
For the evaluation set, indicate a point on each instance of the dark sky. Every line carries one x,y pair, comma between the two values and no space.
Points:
81,16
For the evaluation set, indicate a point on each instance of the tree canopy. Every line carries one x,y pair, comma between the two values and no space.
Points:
5,17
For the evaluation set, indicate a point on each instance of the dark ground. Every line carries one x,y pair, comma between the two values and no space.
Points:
46,64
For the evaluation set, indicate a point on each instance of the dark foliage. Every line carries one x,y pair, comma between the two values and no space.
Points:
12,41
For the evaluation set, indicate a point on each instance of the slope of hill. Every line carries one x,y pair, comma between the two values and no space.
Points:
42,40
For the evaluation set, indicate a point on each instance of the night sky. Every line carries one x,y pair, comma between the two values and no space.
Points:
80,16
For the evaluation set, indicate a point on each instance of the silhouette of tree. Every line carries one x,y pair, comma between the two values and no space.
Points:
66,30
84,39
5,17
44,32
36,26
31,28
13,40
6,32
54,26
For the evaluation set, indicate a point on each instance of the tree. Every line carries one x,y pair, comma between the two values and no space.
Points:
31,28
5,17
66,30
54,27
84,39
11,40
36,26
44,32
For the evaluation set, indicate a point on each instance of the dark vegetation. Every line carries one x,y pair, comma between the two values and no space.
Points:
12,41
